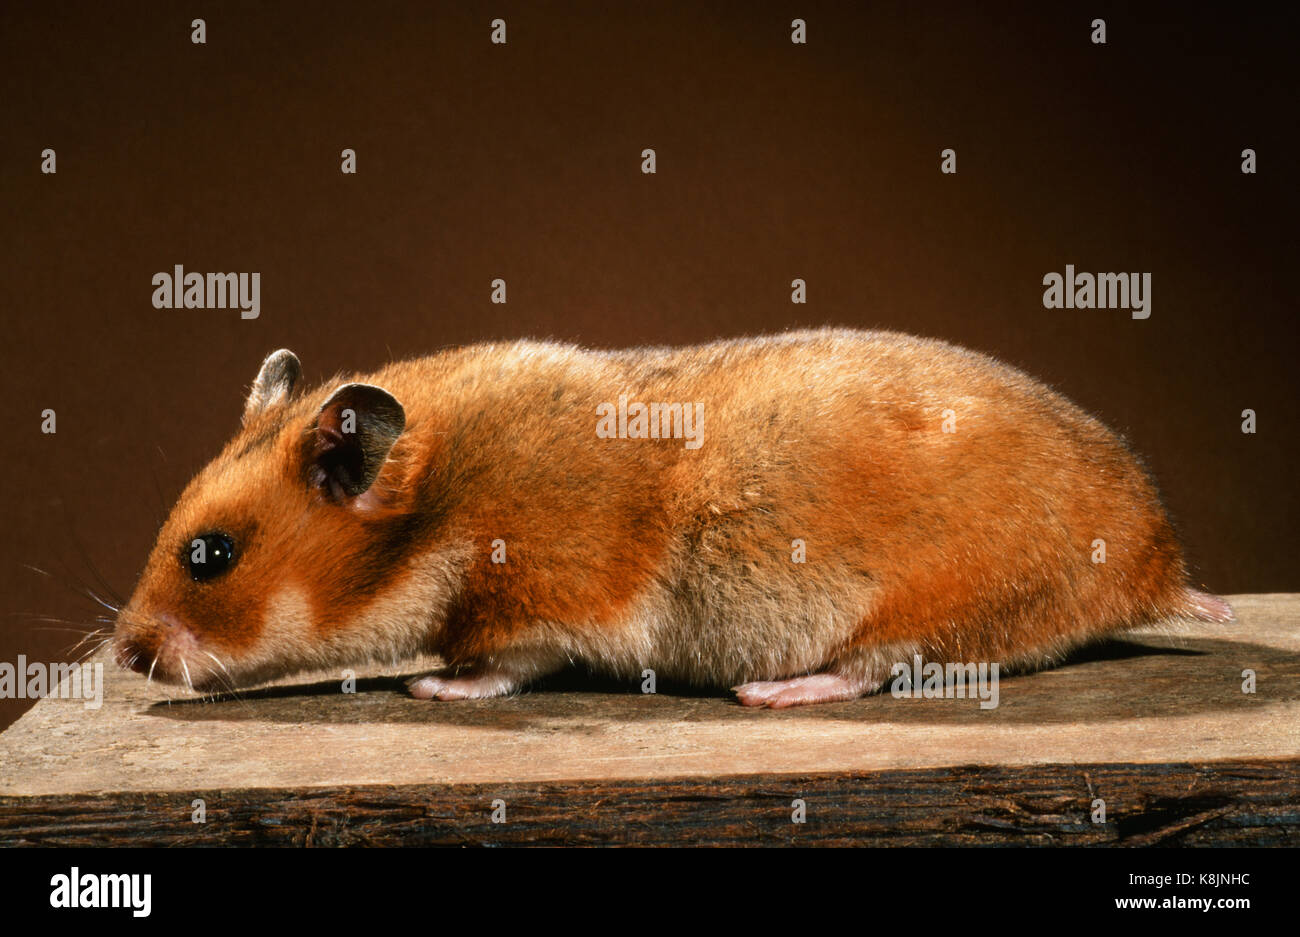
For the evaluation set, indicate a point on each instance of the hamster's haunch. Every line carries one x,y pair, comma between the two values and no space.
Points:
789,516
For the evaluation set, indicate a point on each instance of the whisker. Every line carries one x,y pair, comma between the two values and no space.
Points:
217,661
82,589
94,650
90,636
42,616
70,526
73,630
224,687
157,487
228,680
73,585
112,608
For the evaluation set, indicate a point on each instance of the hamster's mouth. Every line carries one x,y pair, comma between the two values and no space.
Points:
161,648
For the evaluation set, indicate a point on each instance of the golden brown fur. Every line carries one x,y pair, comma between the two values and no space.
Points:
627,554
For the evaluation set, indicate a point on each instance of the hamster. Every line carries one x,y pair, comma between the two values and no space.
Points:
787,516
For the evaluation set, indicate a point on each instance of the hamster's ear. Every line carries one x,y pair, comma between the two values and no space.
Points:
354,431
274,382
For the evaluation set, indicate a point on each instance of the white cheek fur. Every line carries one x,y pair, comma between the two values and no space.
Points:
400,622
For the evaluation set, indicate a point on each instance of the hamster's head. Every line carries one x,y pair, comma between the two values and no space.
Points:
291,550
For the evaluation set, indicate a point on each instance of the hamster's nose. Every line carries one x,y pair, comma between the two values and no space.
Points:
131,654
148,644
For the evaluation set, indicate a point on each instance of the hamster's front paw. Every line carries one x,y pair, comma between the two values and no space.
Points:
473,685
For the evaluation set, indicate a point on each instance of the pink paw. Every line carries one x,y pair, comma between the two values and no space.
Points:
471,686
815,688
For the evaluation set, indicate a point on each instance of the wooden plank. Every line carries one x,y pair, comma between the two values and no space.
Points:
1229,803
1160,715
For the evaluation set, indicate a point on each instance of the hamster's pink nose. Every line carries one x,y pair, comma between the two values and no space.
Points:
154,645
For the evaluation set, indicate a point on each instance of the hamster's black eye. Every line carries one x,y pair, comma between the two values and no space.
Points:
209,555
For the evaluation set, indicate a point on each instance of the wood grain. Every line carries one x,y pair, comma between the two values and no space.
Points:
1231,803
1157,725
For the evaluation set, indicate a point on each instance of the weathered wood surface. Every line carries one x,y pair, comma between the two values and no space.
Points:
1160,716
1228,803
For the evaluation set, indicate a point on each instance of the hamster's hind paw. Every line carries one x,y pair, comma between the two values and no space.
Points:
468,686
815,688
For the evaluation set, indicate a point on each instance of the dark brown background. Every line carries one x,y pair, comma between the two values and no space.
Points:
775,161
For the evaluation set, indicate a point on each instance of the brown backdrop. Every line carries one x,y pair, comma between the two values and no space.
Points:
522,161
